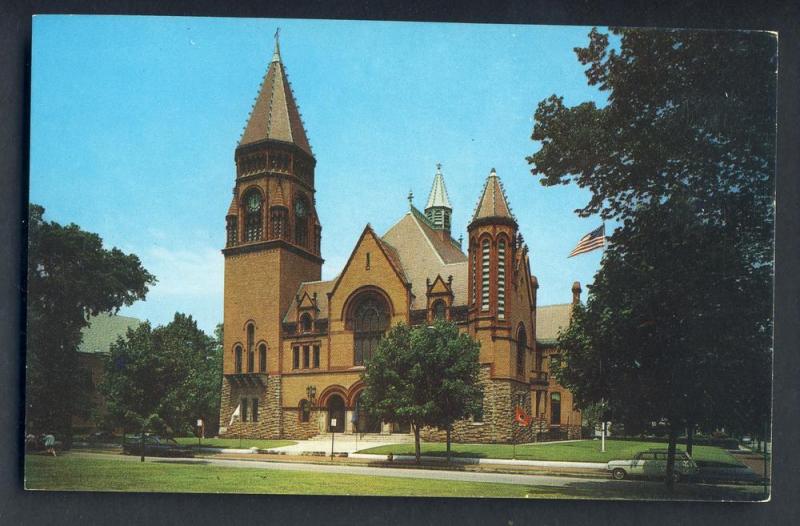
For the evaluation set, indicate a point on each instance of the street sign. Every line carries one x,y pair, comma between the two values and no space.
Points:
199,422
333,422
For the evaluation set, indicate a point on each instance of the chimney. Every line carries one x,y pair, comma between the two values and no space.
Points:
576,293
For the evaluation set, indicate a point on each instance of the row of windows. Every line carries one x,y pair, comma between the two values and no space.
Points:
251,357
252,414
309,354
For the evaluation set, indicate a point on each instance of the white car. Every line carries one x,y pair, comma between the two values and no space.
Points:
653,463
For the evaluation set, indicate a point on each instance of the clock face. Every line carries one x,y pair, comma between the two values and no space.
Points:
253,202
299,208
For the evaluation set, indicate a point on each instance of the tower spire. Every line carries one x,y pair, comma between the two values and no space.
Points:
438,209
276,55
493,202
275,115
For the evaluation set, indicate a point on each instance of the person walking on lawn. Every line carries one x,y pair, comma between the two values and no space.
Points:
50,443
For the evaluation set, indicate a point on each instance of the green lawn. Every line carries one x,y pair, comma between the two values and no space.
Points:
73,472
582,451
244,443
77,472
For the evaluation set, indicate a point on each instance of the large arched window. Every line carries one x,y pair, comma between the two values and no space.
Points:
251,358
369,320
485,253
237,359
522,348
252,218
301,216
501,279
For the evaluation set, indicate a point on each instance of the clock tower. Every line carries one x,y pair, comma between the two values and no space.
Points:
272,245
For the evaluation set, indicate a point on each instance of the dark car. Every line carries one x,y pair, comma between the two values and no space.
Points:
155,446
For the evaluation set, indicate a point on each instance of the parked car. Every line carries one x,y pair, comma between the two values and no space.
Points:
155,446
653,463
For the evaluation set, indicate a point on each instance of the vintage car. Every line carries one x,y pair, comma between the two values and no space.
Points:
653,464
155,446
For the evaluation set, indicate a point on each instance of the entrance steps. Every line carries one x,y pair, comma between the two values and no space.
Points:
393,438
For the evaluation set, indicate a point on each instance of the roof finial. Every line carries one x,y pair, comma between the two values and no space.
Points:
439,167
410,198
276,56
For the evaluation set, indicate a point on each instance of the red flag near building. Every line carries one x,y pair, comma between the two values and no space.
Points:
521,417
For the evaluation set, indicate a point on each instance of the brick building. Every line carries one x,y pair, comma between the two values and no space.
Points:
295,345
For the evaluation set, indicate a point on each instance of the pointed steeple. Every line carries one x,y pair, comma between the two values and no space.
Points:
438,195
438,209
275,115
493,202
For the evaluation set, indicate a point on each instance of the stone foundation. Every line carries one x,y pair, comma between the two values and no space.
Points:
269,423
295,429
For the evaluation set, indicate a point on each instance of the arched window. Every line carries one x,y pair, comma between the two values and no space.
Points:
305,322
555,409
474,251
438,310
369,320
522,348
262,358
485,274
305,410
301,221
251,358
501,279
252,219
237,359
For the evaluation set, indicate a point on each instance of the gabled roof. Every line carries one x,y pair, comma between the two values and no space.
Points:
423,255
550,319
322,288
438,196
103,330
275,115
493,201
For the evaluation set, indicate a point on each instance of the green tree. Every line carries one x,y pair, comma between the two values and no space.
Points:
170,375
71,277
677,326
423,376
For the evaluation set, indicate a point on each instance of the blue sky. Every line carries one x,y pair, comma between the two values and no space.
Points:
134,122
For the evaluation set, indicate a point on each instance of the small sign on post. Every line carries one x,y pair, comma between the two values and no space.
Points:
333,427
199,432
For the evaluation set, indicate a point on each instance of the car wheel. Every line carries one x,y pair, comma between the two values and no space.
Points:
676,477
618,474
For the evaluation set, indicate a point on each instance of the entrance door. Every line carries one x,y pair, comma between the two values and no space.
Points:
336,413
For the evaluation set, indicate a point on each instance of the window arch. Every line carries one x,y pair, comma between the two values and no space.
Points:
439,310
485,253
237,359
555,409
251,358
501,279
262,358
369,319
301,216
253,224
305,322
522,349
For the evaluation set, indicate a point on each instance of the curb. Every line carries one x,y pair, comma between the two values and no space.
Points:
495,461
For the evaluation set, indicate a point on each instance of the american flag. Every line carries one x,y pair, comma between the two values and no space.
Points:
591,241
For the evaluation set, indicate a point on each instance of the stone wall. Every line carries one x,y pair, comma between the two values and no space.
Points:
269,423
295,429
500,398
